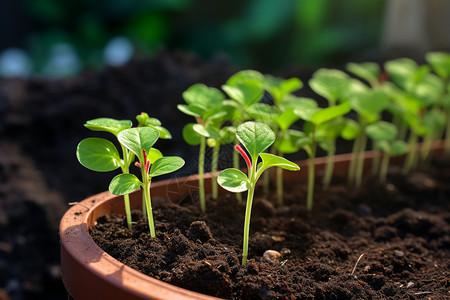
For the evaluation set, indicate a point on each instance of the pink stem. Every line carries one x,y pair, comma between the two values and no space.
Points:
247,159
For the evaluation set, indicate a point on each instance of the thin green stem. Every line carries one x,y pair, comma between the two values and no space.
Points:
352,167
311,174
214,162
384,167
280,186
329,168
360,167
201,179
148,201
125,170
236,166
248,212
412,153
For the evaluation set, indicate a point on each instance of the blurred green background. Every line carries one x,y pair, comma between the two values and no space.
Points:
57,38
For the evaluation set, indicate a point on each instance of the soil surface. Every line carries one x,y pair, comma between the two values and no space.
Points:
400,230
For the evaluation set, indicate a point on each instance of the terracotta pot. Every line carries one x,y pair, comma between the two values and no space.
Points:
90,273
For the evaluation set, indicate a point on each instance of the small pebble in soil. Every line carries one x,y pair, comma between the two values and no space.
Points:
399,253
410,284
271,256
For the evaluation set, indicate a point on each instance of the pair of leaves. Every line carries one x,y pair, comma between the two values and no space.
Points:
256,138
329,83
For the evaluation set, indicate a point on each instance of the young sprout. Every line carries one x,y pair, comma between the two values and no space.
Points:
383,134
368,104
440,64
151,163
315,118
205,105
256,138
330,83
101,155
279,115
245,91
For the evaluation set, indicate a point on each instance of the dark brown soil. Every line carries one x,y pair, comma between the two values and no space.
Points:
401,229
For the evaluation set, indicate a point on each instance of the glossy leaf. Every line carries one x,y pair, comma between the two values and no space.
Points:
368,71
233,180
440,62
245,75
109,125
328,83
153,155
201,130
98,155
190,135
124,184
145,120
245,94
203,97
256,137
286,119
138,139
165,165
190,110
330,113
381,130
270,160
305,109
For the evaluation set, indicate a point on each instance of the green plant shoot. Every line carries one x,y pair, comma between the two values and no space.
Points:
256,138
315,118
383,134
101,155
151,163
205,105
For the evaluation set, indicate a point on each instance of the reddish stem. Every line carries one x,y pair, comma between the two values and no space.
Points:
244,155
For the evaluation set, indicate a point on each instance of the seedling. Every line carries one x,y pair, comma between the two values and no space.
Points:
383,134
256,138
330,84
151,163
101,155
316,118
205,105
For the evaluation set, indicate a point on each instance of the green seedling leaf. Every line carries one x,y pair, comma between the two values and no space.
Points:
98,155
329,83
109,125
434,120
165,165
190,135
256,137
371,101
270,160
440,62
381,130
145,120
398,148
330,113
287,141
261,111
201,130
246,75
227,134
124,184
190,110
402,71
245,94
163,132
286,119
233,180
280,87
351,130
203,97
368,71
138,139
305,109
153,155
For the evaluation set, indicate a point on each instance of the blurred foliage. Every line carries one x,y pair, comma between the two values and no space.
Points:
269,34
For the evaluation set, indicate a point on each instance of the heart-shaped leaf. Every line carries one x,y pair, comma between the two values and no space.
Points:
190,135
98,155
245,93
233,180
109,125
165,165
256,137
203,97
138,139
124,184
